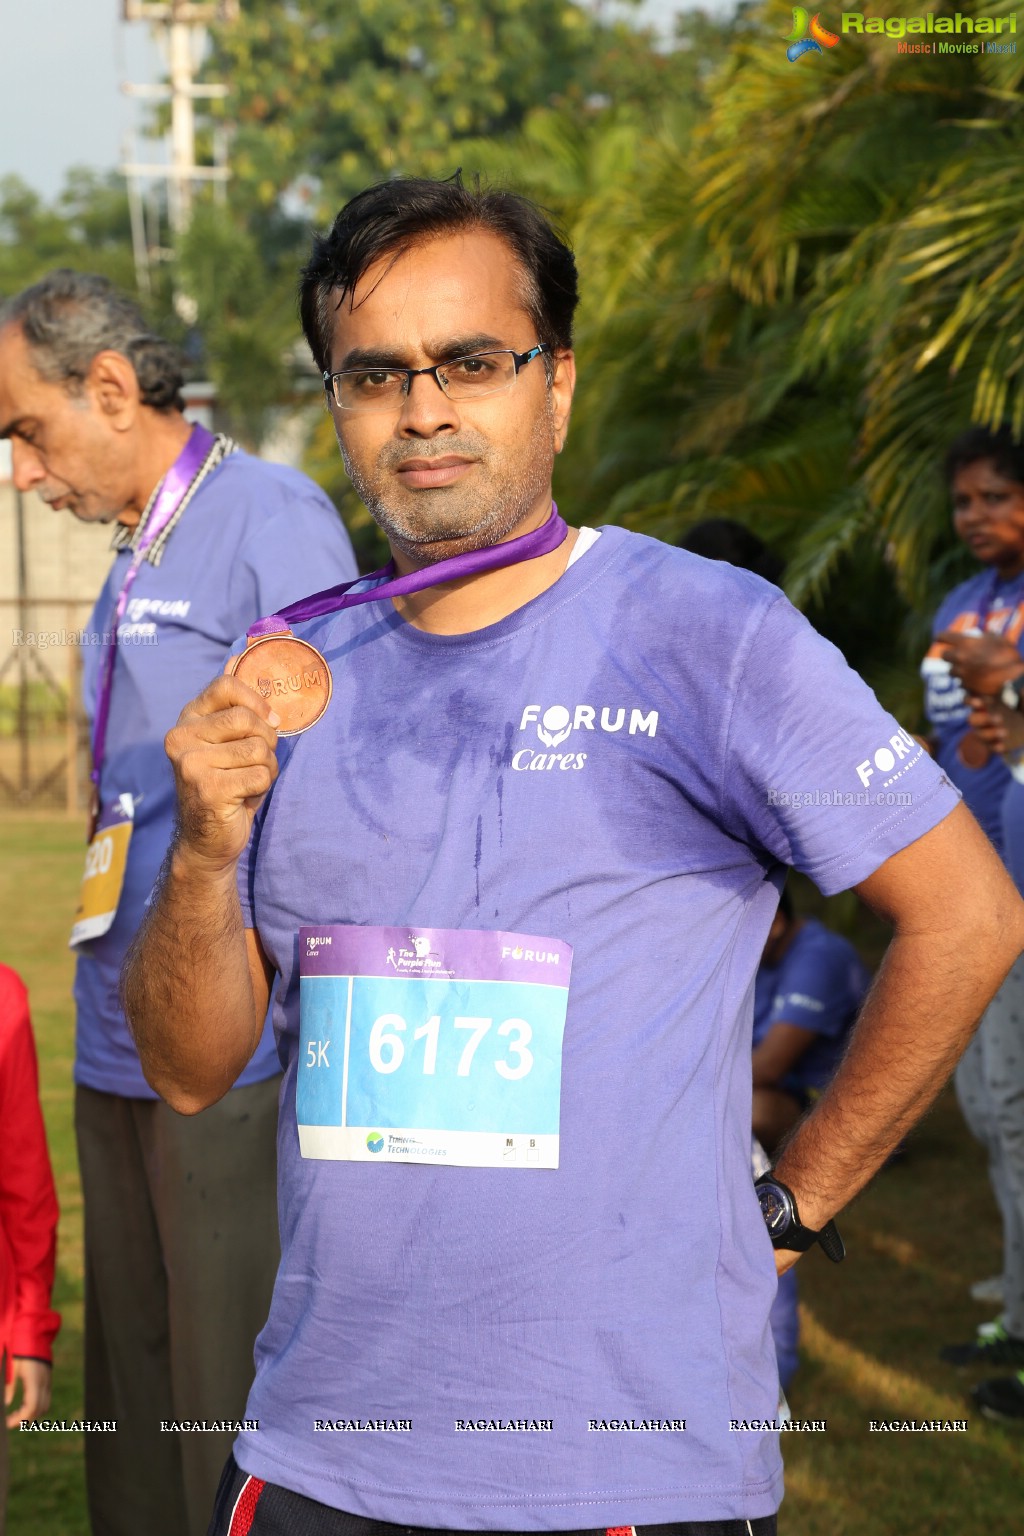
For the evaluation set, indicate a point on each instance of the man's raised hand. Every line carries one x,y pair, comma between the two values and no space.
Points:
223,754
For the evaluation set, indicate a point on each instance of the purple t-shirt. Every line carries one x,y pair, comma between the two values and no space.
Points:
253,537
624,764
1001,605
819,985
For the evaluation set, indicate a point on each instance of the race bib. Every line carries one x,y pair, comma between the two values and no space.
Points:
431,1045
105,861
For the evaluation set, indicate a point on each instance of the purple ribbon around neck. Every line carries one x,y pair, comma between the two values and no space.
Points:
541,541
176,483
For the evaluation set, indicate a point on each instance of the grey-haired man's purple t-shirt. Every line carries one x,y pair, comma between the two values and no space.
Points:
253,537
625,764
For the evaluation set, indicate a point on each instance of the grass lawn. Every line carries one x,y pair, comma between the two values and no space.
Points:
40,868
916,1240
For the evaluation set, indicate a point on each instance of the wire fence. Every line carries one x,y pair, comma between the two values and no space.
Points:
44,748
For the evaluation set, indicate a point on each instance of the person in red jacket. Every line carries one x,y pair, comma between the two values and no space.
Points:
28,1223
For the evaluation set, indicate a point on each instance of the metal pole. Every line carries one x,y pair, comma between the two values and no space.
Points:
183,138
140,249
180,27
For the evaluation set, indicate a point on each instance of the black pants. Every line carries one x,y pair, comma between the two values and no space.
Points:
248,1507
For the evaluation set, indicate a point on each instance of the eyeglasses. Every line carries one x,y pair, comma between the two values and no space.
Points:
464,378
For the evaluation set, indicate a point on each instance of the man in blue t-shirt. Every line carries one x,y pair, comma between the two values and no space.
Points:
979,640
810,985
180,1218
509,895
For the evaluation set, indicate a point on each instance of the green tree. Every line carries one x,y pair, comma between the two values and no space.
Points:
87,227
934,303
799,282
247,326
328,97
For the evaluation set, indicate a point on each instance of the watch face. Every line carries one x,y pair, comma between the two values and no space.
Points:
775,1209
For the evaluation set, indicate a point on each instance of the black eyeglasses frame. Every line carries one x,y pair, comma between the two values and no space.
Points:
519,360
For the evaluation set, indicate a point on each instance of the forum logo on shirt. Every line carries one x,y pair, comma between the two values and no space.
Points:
893,759
555,724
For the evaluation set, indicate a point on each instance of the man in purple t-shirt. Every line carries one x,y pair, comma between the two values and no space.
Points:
509,895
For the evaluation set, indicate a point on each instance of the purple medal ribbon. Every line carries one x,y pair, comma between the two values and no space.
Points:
176,483
541,541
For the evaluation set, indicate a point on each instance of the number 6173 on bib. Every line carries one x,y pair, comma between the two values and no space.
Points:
431,1045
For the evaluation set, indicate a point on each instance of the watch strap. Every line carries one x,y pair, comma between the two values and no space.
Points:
831,1244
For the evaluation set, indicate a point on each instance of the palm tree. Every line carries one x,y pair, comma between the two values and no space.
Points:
799,283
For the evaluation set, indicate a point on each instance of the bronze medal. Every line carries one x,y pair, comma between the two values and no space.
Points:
291,675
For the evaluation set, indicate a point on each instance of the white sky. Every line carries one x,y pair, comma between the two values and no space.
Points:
61,67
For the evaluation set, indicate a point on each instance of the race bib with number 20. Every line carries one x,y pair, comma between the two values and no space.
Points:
105,861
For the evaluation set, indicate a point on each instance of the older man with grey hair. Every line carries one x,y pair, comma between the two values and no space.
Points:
181,1240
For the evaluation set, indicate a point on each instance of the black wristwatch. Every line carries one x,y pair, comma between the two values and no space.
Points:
1012,692
781,1217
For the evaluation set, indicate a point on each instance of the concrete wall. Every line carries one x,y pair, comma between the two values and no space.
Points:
66,562
65,559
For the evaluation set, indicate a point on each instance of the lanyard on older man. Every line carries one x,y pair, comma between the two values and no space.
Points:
110,824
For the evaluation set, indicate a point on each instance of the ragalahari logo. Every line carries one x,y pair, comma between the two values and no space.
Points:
798,40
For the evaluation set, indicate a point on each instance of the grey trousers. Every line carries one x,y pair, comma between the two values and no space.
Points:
181,1251
990,1088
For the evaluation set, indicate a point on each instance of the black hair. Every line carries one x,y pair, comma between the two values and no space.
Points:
718,538
386,219
68,317
1004,450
